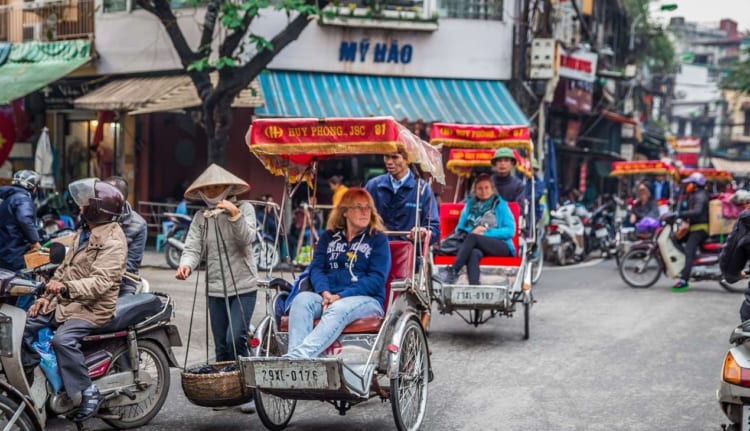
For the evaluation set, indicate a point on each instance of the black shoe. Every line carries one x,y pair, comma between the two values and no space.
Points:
446,276
30,376
91,400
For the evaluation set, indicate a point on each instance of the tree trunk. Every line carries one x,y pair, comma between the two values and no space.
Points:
218,122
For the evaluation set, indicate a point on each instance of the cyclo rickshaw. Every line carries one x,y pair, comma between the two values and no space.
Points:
625,235
373,357
474,145
713,176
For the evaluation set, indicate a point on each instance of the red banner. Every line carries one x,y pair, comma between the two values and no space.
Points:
480,136
653,167
462,160
7,137
711,174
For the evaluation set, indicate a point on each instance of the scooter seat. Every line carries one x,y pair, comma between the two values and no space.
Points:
713,247
131,309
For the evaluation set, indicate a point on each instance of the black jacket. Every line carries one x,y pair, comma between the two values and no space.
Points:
18,230
697,211
510,188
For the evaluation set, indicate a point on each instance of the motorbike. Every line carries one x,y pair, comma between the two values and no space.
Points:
733,394
141,334
175,237
646,260
565,233
600,231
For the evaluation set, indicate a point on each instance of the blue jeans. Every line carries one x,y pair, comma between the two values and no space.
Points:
306,342
223,336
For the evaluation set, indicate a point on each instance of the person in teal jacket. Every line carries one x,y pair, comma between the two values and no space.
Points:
489,225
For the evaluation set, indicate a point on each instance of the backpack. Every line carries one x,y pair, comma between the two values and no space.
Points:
734,254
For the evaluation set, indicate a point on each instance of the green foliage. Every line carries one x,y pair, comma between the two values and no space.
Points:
236,16
738,76
659,53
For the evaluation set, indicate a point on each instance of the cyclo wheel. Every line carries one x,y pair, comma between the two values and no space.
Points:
639,269
275,412
536,268
526,320
409,389
8,408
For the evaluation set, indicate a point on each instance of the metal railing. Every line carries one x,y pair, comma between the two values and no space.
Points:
472,9
47,20
153,213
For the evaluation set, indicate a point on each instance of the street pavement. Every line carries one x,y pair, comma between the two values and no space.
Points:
602,356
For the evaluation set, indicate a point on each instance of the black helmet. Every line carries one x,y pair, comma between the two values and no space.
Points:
26,179
101,202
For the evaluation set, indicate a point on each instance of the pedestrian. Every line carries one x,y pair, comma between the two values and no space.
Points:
336,183
136,233
395,196
82,294
231,293
508,186
347,277
18,225
660,188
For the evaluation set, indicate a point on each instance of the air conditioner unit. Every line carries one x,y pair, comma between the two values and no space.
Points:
33,31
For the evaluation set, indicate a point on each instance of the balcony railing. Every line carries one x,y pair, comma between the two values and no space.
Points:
47,20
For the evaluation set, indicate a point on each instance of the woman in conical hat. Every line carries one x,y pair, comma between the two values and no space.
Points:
218,189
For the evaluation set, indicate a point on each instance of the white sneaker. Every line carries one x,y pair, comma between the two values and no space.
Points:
248,407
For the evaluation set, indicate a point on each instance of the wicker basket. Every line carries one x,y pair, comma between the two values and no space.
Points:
216,389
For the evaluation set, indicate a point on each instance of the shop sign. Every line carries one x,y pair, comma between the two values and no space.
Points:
61,94
578,65
362,51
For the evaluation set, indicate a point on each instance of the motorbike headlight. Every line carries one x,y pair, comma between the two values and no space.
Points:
735,374
6,336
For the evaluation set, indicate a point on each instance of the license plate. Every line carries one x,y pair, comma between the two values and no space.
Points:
745,425
601,233
475,295
553,239
281,375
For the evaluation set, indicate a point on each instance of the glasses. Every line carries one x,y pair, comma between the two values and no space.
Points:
360,208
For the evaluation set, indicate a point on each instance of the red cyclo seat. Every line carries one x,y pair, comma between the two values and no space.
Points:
449,215
402,256
712,247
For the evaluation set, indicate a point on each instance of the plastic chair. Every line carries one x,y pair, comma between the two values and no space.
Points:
181,208
68,221
161,238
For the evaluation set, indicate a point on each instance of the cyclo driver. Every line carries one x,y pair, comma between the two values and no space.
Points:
697,215
82,294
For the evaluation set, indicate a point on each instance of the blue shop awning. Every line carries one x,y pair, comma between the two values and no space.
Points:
305,94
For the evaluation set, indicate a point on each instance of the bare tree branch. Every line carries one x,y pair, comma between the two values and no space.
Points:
209,27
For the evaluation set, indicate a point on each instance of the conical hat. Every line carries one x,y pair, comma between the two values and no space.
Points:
216,175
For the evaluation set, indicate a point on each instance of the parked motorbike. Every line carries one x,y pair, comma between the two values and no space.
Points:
648,259
565,233
734,390
600,231
266,255
140,334
175,239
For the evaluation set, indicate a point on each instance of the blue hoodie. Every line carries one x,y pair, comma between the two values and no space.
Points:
329,270
506,225
18,229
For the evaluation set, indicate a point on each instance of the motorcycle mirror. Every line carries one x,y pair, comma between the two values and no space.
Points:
57,252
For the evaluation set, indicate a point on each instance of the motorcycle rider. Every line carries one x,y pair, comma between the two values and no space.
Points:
508,186
697,215
82,294
736,251
135,229
18,224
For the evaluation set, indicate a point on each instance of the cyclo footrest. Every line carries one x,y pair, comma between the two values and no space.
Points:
318,378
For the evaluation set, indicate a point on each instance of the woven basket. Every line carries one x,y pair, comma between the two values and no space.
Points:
216,389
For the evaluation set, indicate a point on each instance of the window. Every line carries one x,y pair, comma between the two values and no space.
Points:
746,131
472,9
681,127
110,6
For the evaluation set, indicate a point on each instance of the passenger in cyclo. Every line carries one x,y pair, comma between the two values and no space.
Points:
645,205
82,294
395,196
136,233
696,215
508,186
489,226
347,275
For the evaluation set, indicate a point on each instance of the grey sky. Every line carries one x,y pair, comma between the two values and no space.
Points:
710,11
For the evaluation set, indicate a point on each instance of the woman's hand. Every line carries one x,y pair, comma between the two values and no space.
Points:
41,305
328,299
632,218
183,272
228,207
479,230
